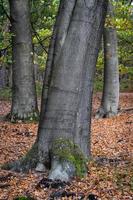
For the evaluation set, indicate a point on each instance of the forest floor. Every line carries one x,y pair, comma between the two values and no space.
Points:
110,178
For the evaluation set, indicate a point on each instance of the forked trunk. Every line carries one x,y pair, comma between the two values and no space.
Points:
110,96
24,101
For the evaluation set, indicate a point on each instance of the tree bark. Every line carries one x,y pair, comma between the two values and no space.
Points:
110,96
67,114
63,139
24,100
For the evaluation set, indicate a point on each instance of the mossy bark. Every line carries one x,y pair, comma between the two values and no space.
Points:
65,150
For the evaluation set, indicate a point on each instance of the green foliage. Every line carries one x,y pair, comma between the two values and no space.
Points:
43,13
5,93
64,149
39,89
122,21
5,35
98,85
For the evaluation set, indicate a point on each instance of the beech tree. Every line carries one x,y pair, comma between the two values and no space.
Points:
110,96
24,101
63,140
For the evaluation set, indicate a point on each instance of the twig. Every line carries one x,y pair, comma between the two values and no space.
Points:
5,11
126,109
38,38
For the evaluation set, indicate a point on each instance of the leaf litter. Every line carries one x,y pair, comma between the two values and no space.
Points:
110,171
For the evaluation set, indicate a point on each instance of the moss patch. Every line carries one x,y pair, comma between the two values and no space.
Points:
65,150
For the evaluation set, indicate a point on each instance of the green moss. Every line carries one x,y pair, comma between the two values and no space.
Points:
64,149
24,198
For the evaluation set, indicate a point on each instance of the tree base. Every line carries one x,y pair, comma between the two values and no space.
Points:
62,170
23,117
102,113
66,161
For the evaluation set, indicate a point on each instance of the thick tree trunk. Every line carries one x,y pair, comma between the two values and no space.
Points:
64,130
68,109
24,101
110,97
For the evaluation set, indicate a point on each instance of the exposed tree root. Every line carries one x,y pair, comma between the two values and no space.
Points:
22,116
102,113
66,160
29,161
126,110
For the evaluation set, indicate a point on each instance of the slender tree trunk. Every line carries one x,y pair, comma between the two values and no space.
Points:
110,97
64,130
24,101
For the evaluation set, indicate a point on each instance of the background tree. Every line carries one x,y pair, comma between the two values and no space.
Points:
123,24
24,102
110,96
64,128
43,16
5,48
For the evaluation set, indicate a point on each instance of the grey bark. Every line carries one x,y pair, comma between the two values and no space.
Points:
66,104
110,96
24,101
67,110
3,77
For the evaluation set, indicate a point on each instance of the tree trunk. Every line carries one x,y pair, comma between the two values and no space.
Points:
110,97
24,101
3,77
63,140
